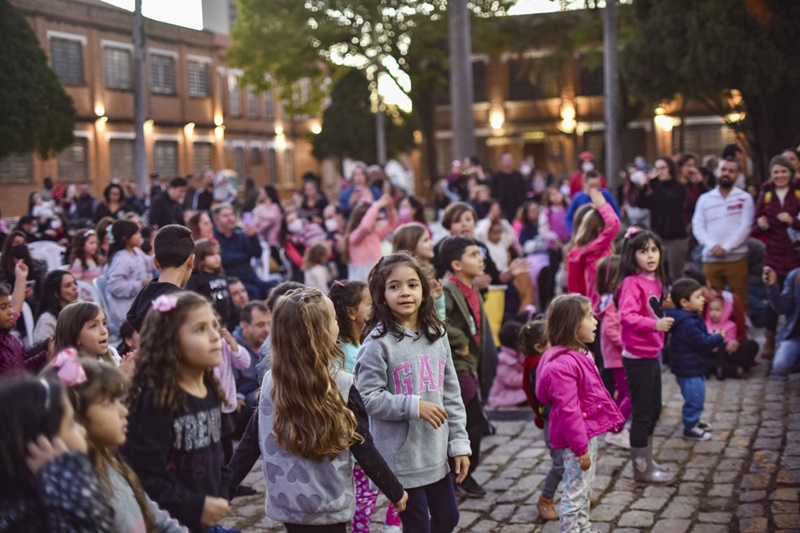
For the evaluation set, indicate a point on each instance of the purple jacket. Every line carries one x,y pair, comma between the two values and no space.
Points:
582,408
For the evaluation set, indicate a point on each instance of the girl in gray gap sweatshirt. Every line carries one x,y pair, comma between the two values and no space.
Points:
406,376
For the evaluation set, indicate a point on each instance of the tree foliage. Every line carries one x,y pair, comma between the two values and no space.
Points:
735,56
348,123
38,115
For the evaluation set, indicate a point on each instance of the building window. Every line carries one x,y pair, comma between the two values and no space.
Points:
238,160
479,81
255,156
162,74
117,67
198,79
201,158
66,57
16,168
272,166
252,103
591,79
121,152
288,166
73,164
269,106
235,97
531,79
702,139
165,159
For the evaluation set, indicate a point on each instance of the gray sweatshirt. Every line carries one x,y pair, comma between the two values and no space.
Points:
127,515
393,376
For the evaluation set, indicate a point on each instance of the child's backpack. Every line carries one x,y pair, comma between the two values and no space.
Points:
530,366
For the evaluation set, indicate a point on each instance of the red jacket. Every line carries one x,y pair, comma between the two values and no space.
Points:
781,254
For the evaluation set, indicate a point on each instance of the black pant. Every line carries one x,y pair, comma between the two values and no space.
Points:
431,509
246,453
644,381
329,528
772,316
744,357
475,430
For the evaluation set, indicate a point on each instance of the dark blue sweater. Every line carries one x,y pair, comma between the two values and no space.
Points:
691,345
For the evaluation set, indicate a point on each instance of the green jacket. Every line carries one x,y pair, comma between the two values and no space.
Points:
460,327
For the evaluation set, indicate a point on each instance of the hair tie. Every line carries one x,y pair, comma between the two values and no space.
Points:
70,371
337,282
165,303
633,230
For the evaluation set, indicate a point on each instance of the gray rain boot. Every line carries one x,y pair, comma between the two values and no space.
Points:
644,471
657,465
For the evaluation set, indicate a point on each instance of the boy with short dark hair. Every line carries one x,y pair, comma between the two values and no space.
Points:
692,348
174,259
468,331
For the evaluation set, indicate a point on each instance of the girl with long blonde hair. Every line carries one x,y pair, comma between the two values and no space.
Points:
312,422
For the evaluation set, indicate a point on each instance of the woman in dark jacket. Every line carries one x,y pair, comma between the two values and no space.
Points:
665,197
777,212
113,204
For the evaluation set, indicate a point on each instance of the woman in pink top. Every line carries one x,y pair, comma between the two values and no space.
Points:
582,409
642,327
268,216
595,231
363,236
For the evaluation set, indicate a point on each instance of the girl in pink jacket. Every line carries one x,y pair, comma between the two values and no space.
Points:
581,410
507,388
642,327
363,236
611,342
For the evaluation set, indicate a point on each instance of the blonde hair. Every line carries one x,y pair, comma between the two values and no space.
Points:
310,418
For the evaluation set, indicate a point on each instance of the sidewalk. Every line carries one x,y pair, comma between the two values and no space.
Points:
745,479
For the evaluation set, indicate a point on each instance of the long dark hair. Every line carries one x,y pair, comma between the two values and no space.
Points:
419,210
346,295
121,231
78,252
627,263
159,358
381,315
8,259
51,292
671,168
29,407
564,317
272,193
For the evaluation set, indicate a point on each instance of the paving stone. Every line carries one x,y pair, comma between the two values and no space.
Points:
649,504
711,528
671,525
752,496
752,525
787,521
750,510
638,519
788,494
715,518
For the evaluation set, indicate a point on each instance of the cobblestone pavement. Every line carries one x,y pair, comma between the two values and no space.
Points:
745,479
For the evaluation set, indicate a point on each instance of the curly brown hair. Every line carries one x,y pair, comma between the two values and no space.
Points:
160,354
381,315
310,418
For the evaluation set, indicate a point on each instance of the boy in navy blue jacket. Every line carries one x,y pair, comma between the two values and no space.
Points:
691,348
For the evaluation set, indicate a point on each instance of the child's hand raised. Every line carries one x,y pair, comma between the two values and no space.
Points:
664,324
400,505
229,339
461,467
586,461
21,270
214,510
432,413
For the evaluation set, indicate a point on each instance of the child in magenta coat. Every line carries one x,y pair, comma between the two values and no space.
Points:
581,410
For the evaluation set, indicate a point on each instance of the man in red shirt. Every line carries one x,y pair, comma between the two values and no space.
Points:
586,162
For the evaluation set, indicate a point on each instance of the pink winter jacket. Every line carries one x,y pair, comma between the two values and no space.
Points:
726,326
640,307
507,387
610,339
364,244
581,406
582,260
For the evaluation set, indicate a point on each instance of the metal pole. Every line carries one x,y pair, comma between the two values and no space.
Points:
380,121
462,120
140,155
611,92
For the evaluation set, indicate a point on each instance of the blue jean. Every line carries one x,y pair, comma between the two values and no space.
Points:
432,508
693,391
787,357
556,467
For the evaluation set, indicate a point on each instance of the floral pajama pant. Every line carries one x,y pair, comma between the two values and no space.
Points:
574,511
366,499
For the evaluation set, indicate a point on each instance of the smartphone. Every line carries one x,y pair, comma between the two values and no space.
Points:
247,218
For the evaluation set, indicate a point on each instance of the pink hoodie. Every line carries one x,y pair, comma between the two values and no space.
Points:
364,243
610,340
726,326
639,308
582,408
582,260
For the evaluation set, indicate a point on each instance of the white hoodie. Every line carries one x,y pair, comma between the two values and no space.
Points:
725,221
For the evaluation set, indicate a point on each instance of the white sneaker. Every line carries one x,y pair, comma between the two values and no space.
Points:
392,529
620,440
